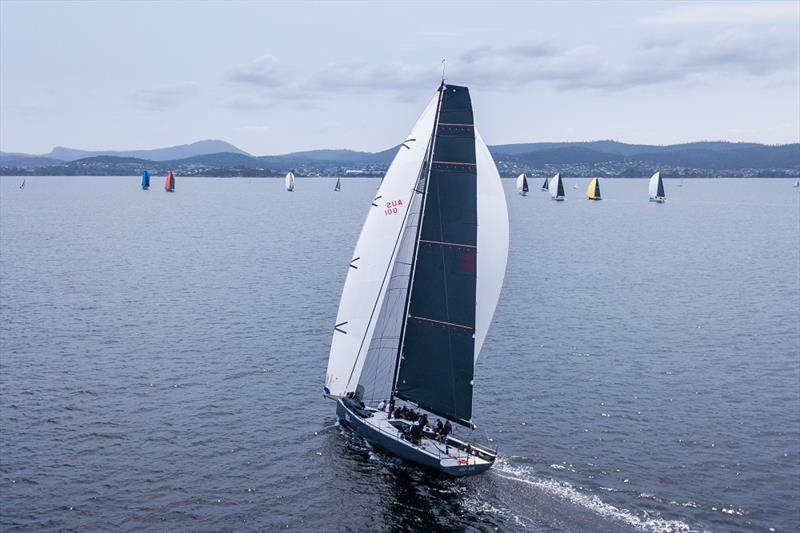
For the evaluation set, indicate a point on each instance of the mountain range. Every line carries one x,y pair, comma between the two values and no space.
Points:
219,158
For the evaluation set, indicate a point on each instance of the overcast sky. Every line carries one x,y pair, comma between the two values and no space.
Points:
274,78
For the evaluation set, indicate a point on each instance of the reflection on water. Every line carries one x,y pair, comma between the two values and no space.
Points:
163,358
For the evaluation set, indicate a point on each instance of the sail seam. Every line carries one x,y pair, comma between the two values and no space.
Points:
449,244
456,163
468,328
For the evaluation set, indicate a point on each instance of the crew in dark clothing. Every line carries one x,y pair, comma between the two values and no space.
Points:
416,432
439,428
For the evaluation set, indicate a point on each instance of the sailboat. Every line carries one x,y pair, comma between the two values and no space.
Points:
546,184
556,188
22,185
657,188
574,185
796,183
338,186
289,181
593,190
146,180
421,291
522,184
680,183
169,183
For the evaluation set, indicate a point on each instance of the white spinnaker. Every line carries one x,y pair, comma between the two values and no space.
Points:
521,182
492,241
289,181
552,187
367,278
654,184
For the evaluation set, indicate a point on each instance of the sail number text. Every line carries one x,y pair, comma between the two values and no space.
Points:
391,207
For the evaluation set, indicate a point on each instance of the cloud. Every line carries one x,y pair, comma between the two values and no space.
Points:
264,71
661,59
270,84
727,13
166,96
668,56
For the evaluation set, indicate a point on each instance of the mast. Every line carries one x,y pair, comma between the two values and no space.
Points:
427,172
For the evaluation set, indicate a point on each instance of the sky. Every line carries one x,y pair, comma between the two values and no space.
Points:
274,77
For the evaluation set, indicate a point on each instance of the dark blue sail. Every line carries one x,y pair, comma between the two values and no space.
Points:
145,180
437,354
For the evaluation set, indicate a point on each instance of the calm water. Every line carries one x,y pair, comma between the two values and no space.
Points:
163,358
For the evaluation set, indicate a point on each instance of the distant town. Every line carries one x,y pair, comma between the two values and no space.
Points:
579,159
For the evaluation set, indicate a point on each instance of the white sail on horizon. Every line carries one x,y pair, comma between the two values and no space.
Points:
554,185
656,185
522,184
289,180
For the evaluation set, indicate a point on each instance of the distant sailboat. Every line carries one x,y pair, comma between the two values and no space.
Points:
593,190
522,184
169,183
796,183
680,183
575,186
657,189
289,181
545,184
146,180
421,291
556,188
22,185
338,186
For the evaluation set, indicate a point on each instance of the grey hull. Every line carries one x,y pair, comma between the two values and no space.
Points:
404,449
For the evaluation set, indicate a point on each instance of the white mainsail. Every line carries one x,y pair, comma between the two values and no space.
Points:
289,181
492,241
370,269
554,185
522,183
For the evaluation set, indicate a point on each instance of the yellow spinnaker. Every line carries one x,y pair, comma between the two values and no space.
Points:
593,190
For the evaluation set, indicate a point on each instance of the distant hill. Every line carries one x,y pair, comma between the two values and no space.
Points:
158,154
603,158
61,153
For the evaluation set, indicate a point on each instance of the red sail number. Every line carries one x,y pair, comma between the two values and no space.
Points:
391,207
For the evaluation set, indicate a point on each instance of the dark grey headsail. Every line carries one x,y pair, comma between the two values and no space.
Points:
437,352
560,192
660,193
545,184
